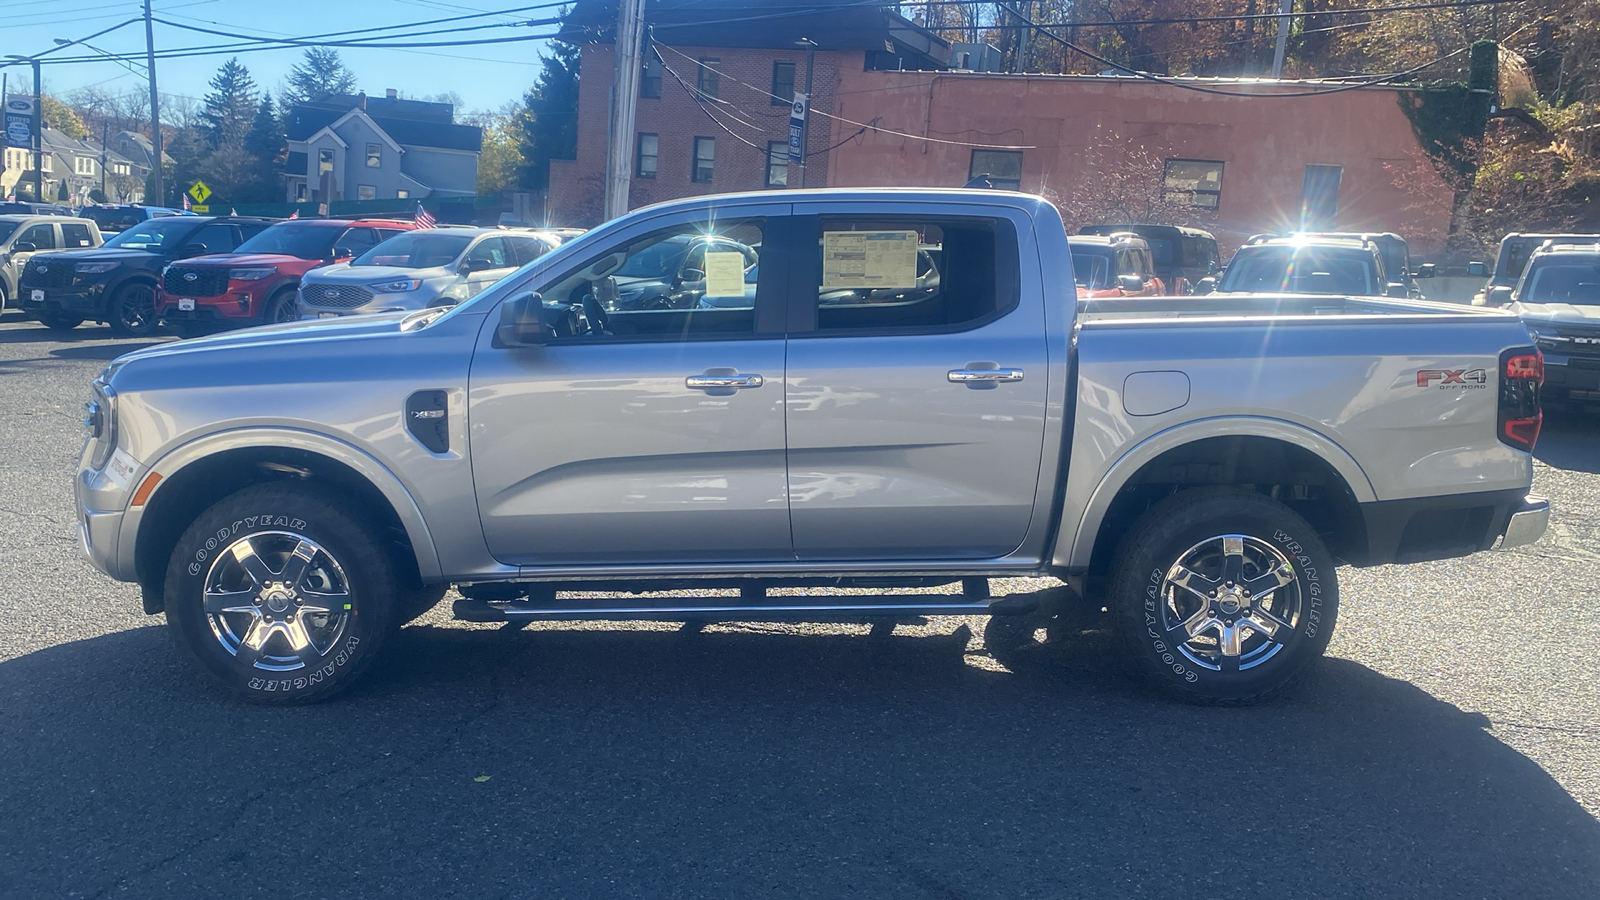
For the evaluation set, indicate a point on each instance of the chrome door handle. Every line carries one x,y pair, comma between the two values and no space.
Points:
984,376
724,382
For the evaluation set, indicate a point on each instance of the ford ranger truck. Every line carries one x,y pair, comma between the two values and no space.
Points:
1201,467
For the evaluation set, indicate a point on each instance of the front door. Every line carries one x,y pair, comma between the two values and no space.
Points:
637,436
916,387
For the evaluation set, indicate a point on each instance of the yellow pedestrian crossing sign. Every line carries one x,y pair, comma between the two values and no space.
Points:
199,191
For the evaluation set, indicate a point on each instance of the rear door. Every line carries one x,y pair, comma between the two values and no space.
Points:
488,261
915,412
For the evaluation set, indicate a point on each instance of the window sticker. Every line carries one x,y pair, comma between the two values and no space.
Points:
724,273
869,259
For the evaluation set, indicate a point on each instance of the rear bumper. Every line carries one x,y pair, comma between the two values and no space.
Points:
1429,528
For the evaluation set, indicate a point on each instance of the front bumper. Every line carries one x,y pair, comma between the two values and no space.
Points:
1567,373
102,505
80,299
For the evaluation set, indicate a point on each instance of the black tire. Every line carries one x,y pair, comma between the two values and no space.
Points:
284,306
1283,580
132,311
349,566
55,320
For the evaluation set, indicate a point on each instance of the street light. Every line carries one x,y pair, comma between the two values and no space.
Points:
805,124
38,123
126,64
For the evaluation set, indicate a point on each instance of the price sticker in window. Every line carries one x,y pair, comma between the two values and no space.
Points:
869,259
724,273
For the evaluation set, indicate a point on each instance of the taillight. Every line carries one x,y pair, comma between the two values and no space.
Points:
1521,375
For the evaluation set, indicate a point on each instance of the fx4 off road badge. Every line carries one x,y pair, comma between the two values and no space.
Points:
1454,379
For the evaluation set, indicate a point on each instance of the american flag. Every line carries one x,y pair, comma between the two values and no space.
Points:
423,218
294,214
186,202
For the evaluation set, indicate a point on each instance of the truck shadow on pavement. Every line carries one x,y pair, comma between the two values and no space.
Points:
602,759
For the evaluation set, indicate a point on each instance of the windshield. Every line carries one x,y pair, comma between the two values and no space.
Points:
1302,270
1575,281
114,219
416,250
154,234
6,228
659,261
1091,270
303,241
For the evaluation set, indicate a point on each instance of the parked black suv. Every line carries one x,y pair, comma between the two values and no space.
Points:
116,282
1183,256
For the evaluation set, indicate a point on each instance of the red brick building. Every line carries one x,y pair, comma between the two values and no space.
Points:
713,113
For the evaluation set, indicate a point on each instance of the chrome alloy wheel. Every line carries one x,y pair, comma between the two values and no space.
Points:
1232,600
277,600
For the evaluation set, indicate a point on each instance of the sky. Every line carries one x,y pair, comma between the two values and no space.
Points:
485,76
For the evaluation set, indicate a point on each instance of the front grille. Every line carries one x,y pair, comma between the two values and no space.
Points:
196,281
46,273
334,296
1572,343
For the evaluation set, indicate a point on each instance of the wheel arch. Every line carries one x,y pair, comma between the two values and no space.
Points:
199,474
1310,472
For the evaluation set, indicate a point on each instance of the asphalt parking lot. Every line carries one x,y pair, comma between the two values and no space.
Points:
1448,747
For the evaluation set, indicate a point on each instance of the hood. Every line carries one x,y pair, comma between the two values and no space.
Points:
98,254
240,260
1558,313
288,332
344,273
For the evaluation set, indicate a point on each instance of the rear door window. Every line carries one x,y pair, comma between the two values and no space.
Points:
217,238
907,274
356,241
74,234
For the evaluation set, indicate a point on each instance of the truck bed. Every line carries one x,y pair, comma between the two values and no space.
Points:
1275,306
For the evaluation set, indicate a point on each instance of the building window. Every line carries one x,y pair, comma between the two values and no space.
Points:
366,192
402,194
374,155
782,83
45,164
650,78
82,165
705,158
777,164
1002,167
709,80
300,192
1319,197
1193,182
324,161
649,152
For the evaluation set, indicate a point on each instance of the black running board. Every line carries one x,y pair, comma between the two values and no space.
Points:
779,609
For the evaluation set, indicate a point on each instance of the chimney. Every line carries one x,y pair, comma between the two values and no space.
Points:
361,100
391,93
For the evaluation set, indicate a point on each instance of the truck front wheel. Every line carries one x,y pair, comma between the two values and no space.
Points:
1223,596
278,595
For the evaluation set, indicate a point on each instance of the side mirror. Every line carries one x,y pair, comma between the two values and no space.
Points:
24,247
522,321
1426,270
1205,285
691,275
343,253
1130,283
1477,270
473,265
1499,296
194,250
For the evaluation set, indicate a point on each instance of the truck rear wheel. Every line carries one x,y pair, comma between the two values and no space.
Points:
278,595
1223,596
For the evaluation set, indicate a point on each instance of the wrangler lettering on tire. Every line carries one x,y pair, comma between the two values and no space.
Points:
1223,595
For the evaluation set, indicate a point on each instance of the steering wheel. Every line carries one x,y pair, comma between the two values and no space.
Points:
596,314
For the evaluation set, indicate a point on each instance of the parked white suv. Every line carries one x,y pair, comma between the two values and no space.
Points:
21,236
421,269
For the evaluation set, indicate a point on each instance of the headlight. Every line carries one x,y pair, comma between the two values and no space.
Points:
251,274
94,268
100,422
396,287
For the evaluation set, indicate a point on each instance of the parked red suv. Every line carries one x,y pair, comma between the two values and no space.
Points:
256,283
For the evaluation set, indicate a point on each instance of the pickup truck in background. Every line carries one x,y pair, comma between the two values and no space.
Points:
1199,466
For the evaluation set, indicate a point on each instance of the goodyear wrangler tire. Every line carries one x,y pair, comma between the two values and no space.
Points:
278,595
1223,596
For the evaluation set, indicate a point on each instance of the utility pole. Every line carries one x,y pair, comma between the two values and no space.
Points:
105,131
624,106
1284,8
38,133
805,124
155,111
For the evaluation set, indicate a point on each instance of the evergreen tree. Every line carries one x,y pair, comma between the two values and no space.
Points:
548,121
265,143
320,76
231,105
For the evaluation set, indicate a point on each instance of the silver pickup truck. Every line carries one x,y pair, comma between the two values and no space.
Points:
291,495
